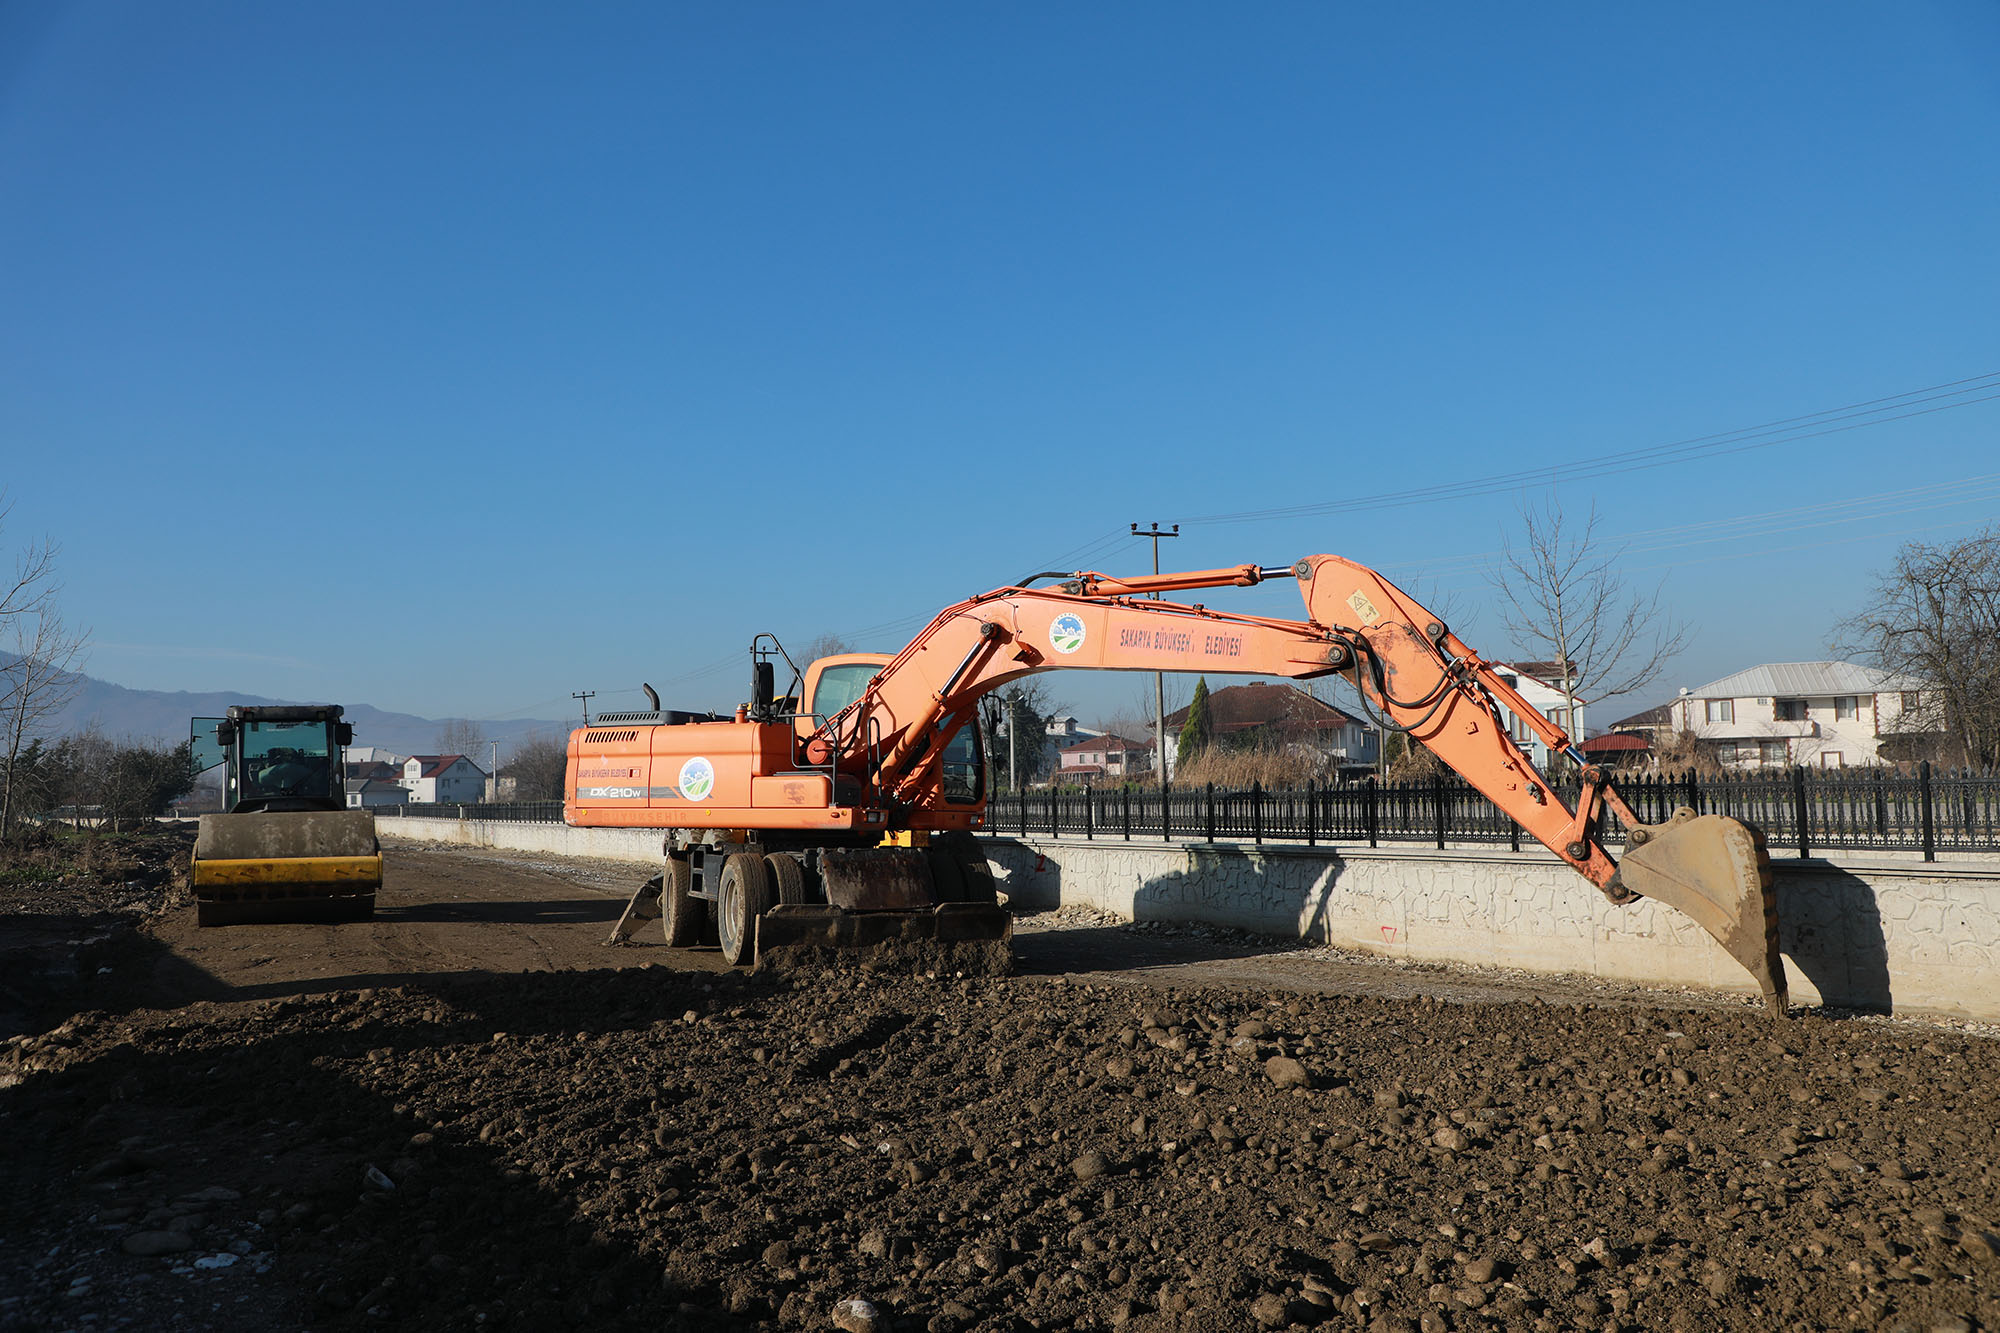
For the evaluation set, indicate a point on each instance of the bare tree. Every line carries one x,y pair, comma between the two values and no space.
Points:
1935,616
33,586
826,645
461,736
39,680
1560,595
538,765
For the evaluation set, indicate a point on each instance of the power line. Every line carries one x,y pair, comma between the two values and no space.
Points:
1962,490
1787,430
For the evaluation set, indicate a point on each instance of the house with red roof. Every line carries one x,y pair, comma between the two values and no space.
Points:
1105,756
447,778
1284,716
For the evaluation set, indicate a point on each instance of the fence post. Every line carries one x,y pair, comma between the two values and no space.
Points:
1694,792
1125,805
1513,833
1257,812
1437,802
1372,814
1021,805
1312,815
1166,810
1211,812
1089,813
1924,802
1799,809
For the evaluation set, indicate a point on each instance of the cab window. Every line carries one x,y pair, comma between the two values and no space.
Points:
961,772
284,758
840,686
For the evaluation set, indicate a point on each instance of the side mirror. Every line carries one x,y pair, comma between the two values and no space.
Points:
763,688
206,747
343,733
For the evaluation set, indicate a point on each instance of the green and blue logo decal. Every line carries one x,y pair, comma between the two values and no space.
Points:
1066,632
697,779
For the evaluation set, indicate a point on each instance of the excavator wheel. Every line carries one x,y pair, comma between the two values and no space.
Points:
684,913
745,894
969,877
945,874
788,878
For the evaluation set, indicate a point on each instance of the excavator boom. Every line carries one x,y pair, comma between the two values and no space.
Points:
879,763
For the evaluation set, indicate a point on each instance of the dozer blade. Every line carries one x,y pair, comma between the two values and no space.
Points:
959,937
1716,871
303,866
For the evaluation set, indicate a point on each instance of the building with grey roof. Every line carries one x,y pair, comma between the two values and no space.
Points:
1818,714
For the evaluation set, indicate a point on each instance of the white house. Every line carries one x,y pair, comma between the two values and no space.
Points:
1540,683
367,793
449,778
1818,714
1105,756
358,755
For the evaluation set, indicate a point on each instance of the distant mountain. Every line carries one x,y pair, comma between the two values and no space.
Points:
163,715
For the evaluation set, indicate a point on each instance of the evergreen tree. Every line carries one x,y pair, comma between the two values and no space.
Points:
1196,731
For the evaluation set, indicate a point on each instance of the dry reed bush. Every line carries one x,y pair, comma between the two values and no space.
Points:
1682,751
1237,769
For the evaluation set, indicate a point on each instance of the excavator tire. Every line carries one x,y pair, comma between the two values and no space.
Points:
1717,871
945,874
293,866
744,895
788,879
684,913
968,861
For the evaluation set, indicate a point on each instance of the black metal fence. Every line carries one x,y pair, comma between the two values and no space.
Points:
1801,811
537,812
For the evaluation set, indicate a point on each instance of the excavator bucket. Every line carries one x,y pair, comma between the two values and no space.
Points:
310,865
1716,871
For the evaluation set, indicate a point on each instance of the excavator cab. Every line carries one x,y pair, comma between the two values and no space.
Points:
284,848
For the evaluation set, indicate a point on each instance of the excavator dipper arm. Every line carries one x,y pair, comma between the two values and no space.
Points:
1407,665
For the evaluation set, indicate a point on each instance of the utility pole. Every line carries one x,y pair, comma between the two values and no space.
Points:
493,774
1013,726
586,696
1159,680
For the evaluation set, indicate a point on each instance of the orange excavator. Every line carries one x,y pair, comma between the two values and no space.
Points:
841,813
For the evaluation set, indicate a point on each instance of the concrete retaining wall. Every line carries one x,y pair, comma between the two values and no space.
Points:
638,845
1874,933
1888,935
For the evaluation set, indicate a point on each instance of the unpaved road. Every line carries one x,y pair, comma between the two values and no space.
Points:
471,1114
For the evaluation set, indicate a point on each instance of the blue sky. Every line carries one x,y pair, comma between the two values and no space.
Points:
453,357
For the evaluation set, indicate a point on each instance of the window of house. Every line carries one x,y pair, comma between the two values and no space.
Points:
1831,759
1719,710
1771,752
1511,682
1791,710
1847,708
1909,699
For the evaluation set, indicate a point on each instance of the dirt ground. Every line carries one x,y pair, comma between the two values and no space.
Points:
469,1113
